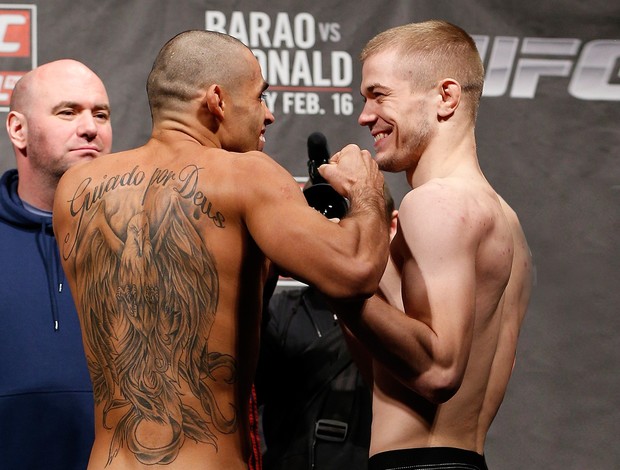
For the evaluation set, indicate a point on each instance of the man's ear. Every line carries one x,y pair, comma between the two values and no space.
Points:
214,101
17,129
450,91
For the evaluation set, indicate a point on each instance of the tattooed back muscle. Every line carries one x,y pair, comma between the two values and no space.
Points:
147,288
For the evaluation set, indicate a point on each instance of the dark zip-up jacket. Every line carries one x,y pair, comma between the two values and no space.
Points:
46,401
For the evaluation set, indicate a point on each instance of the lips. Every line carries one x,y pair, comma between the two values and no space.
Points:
379,136
87,151
261,140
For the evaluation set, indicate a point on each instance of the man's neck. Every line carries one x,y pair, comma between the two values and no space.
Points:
41,200
442,158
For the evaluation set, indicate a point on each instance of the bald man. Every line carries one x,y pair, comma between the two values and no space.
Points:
165,247
59,116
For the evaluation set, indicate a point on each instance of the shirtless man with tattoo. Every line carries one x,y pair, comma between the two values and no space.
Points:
166,250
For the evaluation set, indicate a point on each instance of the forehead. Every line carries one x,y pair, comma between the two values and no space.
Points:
256,70
68,86
255,75
385,68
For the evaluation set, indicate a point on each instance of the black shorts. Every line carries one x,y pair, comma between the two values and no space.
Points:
428,458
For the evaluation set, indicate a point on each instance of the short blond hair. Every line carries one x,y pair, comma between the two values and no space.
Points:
431,51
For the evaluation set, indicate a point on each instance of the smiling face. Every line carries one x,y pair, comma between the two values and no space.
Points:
65,117
399,115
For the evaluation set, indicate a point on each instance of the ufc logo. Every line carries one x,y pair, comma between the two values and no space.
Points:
15,33
18,48
516,65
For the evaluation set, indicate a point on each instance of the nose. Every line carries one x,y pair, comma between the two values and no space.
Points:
87,126
366,117
269,117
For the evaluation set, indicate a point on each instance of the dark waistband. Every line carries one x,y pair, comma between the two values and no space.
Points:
428,458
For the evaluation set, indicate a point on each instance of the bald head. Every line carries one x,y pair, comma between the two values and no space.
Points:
59,116
192,61
73,75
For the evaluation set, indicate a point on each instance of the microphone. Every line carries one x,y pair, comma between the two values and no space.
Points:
321,195
318,154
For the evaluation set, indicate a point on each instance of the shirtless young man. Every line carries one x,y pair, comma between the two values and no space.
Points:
443,331
166,247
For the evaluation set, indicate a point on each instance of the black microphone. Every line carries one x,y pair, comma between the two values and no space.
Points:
321,195
318,154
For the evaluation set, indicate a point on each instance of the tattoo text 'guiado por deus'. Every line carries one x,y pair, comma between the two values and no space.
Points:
185,184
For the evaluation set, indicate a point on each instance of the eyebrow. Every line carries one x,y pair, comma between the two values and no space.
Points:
373,86
75,104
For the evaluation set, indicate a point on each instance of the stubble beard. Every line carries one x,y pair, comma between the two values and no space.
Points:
407,156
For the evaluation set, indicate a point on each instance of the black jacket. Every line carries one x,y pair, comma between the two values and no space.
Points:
315,407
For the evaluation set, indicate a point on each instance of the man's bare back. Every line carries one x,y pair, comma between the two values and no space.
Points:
157,282
168,284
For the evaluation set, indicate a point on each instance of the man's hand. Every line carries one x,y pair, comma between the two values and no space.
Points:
352,170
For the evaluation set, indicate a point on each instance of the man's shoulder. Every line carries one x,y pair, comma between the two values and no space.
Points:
432,193
450,191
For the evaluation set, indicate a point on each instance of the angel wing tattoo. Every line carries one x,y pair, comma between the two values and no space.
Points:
148,297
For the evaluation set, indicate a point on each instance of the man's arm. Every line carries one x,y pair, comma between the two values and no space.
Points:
427,346
359,353
343,260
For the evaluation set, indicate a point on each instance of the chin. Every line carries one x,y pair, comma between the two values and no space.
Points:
385,162
81,160
381,158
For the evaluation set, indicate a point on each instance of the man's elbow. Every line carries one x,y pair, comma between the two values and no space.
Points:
359,280
439,386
